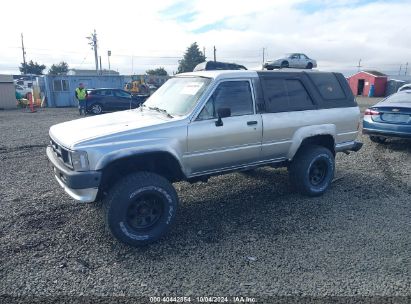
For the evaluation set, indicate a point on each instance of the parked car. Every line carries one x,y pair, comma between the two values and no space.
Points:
108,100
405,87
292,60
390,117
198,125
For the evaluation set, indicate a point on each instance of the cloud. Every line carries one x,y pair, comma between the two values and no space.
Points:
142,36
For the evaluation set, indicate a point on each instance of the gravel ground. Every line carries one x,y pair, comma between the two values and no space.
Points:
238,234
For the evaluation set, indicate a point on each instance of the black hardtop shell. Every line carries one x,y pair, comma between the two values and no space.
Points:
310,83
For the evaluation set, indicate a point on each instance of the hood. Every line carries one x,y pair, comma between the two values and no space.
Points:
72,132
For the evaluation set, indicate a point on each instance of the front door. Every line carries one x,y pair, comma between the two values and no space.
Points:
234,143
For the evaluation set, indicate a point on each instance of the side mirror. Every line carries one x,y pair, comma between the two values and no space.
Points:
222,113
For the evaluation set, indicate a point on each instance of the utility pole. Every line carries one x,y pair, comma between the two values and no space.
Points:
406,69
399,72
24,55
359,65
101,68
214,53
204,53
93,43
109,68
263,56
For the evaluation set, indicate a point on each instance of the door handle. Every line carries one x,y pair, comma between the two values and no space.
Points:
250,123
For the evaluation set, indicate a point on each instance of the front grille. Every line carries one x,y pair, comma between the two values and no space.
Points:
61,153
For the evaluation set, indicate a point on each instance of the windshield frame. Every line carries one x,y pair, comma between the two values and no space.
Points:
192,109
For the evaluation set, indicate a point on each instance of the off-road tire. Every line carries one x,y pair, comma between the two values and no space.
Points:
303,170
378,139
134,189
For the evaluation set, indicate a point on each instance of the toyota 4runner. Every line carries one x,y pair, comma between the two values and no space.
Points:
202,124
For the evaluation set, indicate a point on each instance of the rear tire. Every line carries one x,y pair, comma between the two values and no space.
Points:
378,139
312,170
140,208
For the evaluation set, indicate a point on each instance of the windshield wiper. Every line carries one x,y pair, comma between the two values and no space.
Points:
161,111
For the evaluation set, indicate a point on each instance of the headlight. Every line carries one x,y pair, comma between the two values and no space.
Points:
79,160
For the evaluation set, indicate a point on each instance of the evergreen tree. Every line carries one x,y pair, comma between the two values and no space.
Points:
59,69
32,68
157,72
192,57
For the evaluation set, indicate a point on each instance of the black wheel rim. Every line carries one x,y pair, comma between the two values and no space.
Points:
318,171
145,211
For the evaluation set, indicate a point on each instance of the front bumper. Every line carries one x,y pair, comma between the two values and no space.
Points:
82,186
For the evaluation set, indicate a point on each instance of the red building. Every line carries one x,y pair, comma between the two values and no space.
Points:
361,83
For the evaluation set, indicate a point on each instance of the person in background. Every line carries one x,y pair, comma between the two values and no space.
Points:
81,96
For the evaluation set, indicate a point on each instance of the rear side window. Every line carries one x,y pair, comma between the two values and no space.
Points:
284,95
328,85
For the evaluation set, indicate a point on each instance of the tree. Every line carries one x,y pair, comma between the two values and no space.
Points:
59,69
32,68
157,72
191,58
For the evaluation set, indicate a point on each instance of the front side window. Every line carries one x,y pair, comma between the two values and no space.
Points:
235,95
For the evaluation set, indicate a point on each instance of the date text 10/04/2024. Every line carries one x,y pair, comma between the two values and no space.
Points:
235,299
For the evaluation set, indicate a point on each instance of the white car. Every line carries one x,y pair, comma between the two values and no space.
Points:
292,60
405,87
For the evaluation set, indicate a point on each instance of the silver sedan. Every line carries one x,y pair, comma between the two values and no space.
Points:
293,60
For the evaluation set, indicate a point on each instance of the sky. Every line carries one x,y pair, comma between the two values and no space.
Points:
145,35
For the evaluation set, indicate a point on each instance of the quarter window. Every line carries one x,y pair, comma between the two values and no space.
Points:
235,95
328,85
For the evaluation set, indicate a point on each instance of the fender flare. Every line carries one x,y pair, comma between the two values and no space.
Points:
307,132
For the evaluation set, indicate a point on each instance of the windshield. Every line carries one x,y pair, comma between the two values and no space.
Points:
179,95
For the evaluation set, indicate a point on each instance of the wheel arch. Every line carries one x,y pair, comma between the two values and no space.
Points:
323,135
161,162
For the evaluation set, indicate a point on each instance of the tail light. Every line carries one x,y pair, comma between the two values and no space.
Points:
371,112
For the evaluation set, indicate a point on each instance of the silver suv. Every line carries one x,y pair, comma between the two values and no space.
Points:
202,124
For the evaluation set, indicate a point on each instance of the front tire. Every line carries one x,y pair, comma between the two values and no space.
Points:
96,109
309,66
312,170
140,208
